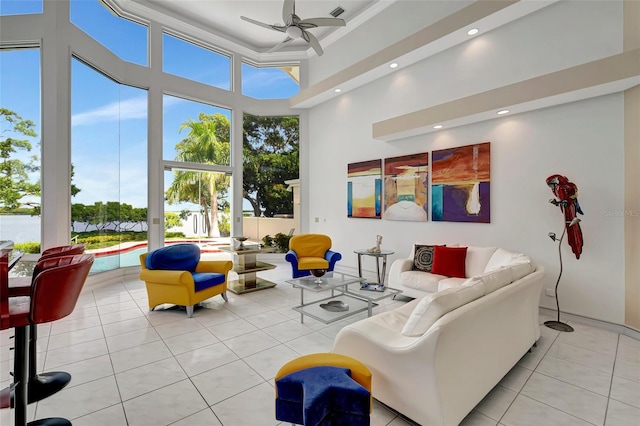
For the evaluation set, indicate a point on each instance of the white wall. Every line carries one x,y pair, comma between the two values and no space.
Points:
582,140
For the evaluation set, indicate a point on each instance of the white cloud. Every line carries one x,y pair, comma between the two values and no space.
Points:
128,109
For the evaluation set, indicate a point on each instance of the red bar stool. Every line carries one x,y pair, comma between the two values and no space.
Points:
45,384
54,293
21,286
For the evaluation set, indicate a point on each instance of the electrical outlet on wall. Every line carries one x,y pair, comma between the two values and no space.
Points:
549,292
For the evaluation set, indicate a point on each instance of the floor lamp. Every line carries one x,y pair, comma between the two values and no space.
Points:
557,325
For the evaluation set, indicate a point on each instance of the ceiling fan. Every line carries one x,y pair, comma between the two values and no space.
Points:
294,27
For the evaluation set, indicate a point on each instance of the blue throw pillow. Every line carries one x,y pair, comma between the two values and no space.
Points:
175,257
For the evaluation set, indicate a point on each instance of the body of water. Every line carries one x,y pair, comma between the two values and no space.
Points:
20,228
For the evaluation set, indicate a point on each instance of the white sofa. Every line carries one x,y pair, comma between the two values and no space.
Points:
436,357
417,284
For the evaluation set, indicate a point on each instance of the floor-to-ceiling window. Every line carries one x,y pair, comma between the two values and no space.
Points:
109,167
20,154
197,155
122,132
270,158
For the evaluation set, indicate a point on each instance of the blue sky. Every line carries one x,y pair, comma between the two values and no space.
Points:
109,120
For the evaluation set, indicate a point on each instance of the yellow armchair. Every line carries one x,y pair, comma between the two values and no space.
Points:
184,287
311,251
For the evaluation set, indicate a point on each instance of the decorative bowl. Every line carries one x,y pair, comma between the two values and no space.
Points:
241,240
318,273
335,306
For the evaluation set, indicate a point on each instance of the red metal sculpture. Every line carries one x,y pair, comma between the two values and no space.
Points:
567,199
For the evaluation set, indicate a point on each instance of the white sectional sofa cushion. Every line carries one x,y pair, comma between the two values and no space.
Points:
477,258
502,257
432,307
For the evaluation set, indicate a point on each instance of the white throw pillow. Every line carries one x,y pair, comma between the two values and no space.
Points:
477,259
501,258
432,307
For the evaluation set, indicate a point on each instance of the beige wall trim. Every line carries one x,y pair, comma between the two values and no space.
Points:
614,68
460,19
631,211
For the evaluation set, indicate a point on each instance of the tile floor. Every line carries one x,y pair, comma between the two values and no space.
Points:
135,367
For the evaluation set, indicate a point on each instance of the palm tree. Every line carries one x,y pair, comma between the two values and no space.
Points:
206,143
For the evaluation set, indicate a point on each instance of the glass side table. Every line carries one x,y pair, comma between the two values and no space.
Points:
378,255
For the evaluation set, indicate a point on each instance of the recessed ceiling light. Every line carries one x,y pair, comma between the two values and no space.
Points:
338,90
473,31
503,111
438,126
393,65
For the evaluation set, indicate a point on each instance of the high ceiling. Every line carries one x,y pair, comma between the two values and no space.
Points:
220,20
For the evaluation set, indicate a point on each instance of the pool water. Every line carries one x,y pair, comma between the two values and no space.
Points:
115,261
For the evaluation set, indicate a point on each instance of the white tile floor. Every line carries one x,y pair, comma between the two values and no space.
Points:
135,367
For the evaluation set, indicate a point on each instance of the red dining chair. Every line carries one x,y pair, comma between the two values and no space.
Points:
54,293
45,384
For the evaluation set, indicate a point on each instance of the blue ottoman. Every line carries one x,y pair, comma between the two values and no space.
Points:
323,394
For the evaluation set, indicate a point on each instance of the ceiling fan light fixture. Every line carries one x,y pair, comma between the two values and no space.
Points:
295,27
293,31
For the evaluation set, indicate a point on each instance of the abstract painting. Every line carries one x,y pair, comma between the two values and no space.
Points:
364,189
460,180
405,187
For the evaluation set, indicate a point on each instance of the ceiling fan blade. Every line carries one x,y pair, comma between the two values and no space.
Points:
288,9
322,22
262,24
280,45
313,42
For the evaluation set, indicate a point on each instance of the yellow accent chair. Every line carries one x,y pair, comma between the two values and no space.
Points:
311,251
175,274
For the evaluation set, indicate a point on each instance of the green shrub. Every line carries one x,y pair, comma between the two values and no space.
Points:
267,240
280,241
170,235
30,247
100,239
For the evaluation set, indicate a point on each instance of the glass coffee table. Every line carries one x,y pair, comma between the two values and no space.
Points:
347,299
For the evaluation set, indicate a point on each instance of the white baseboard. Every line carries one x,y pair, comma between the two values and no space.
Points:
605,325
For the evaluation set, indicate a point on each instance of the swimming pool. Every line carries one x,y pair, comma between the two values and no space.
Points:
115,261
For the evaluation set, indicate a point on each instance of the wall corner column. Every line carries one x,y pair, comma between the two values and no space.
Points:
631,40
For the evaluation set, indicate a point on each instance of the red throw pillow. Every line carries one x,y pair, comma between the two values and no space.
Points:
449,261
